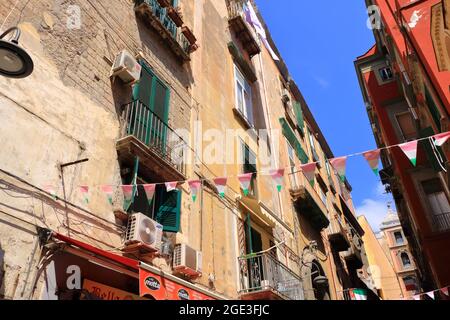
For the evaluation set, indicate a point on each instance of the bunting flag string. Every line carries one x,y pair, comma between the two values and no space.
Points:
441,138
85,193
277,174
128,195
170,186
195,186
108,191
309,170
340,165
50,189
149,192
373,158
431,294
221,184
410,150
245,180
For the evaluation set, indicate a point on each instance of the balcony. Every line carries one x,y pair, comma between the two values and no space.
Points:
244,31
441,222
159,148
263,277
353,255
307,201
337,235
161,19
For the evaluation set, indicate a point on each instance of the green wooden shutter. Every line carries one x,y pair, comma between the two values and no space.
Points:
433,109
290,136
168,210
144,88
429,149
299,115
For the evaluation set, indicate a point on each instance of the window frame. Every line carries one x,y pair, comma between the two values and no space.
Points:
402,113
245,110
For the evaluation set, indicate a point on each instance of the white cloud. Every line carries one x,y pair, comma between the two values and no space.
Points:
321,82
374,211
375,208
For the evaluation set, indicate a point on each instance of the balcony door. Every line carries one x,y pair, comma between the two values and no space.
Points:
153,114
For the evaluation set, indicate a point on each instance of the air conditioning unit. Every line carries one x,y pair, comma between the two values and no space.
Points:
187,260
142,230
285,96
126,67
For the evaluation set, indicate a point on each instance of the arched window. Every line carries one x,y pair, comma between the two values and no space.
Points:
398,238
405,260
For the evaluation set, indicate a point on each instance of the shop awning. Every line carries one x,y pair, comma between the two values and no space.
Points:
131,263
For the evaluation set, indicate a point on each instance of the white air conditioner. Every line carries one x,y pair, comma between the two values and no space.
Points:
285,96
143,230
126,67
187,260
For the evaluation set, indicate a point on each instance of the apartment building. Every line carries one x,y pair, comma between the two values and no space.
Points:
126,107
392,236
404,82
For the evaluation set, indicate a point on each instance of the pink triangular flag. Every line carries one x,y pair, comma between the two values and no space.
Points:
221,184
85,193
245,180
170,186
277,176
195,186
128,191
309,170
149,192
441,138
430,294
445,291
373,158
339,164
108,191
50,189
410,150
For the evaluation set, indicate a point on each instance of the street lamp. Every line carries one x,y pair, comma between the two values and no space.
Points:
15,62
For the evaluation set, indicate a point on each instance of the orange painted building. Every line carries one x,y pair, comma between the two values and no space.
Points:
405,81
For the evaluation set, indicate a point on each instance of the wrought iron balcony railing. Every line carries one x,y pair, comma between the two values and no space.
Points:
142,123
153,11
263,273
238,22
441,222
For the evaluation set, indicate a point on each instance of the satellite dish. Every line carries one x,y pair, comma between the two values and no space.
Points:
147,231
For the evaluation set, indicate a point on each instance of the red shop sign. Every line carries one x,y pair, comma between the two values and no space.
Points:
164,289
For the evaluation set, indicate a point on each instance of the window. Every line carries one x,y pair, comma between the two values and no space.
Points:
249,161
149,118
292,169
164,208
437,204
406,262
313,146
398,238
323,196
243,96
410,283
386,74
406,124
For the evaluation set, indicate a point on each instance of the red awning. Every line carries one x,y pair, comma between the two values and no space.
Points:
102,253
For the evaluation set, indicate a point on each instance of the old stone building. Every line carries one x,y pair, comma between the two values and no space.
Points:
211,101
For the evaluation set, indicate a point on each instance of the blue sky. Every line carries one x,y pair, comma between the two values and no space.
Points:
319,40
